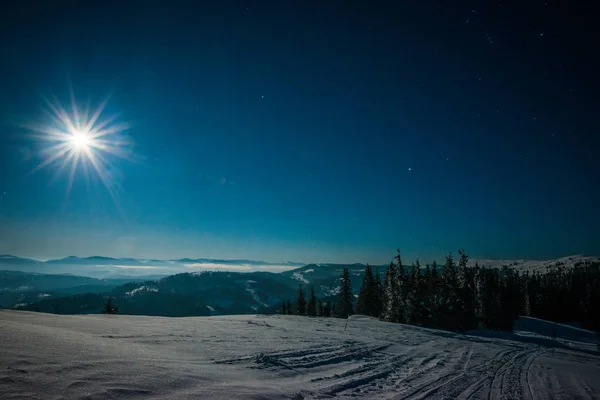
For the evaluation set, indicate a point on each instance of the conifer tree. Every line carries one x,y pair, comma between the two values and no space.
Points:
466,305
392,302
300,301
480,296
109,307
326,310
288,307
320,309
377,295
527,306
365,304
426,294
401,287
449,295
345,308
312,303
412,302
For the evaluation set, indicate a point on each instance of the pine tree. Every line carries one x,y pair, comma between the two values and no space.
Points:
377,295
109,307
312,303
345,308
466,305
282,309
288,307
391,307
449,295
326,310
401,288
412,302
300,301
435,295
320,312
480,296
426,294
527,306
365,304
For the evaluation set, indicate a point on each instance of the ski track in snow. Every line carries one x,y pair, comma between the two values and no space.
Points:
281,357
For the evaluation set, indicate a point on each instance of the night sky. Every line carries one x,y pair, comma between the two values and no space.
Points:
331,131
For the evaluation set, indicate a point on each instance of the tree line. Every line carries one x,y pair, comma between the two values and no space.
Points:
458,297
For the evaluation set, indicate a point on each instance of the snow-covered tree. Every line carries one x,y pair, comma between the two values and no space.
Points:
391,307
300,301
312,303
345,307
365,304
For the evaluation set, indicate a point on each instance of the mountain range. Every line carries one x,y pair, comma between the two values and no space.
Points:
168,288
108,267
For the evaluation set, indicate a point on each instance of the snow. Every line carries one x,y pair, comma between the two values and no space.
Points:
141,289
210,308
298,276
306,271
255,297
330,291
277,357
537,265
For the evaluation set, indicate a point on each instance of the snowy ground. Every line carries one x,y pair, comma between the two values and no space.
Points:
268,357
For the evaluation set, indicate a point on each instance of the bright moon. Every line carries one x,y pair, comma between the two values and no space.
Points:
80,141
81,138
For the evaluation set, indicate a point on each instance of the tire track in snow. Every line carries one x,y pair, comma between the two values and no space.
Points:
507,379
468,382
527,370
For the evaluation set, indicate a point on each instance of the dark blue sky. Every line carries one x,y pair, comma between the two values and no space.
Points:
286,130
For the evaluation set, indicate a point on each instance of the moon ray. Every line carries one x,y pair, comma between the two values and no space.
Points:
81,137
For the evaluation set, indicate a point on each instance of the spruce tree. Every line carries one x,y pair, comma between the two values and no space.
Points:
312,303
320,309
480,297
391,307
345,308
449,311
109,307
426,294
365,304
466,305
527,306
288,307
414,294
326,310
401,288
300,301
377,295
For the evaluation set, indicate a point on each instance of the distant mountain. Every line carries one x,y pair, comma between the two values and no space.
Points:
18,287
12,260
108,267
224,292
325,277
235,262
97,260
190,294
537,265
220,292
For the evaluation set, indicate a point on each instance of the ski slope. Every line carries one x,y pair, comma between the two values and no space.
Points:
49,356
